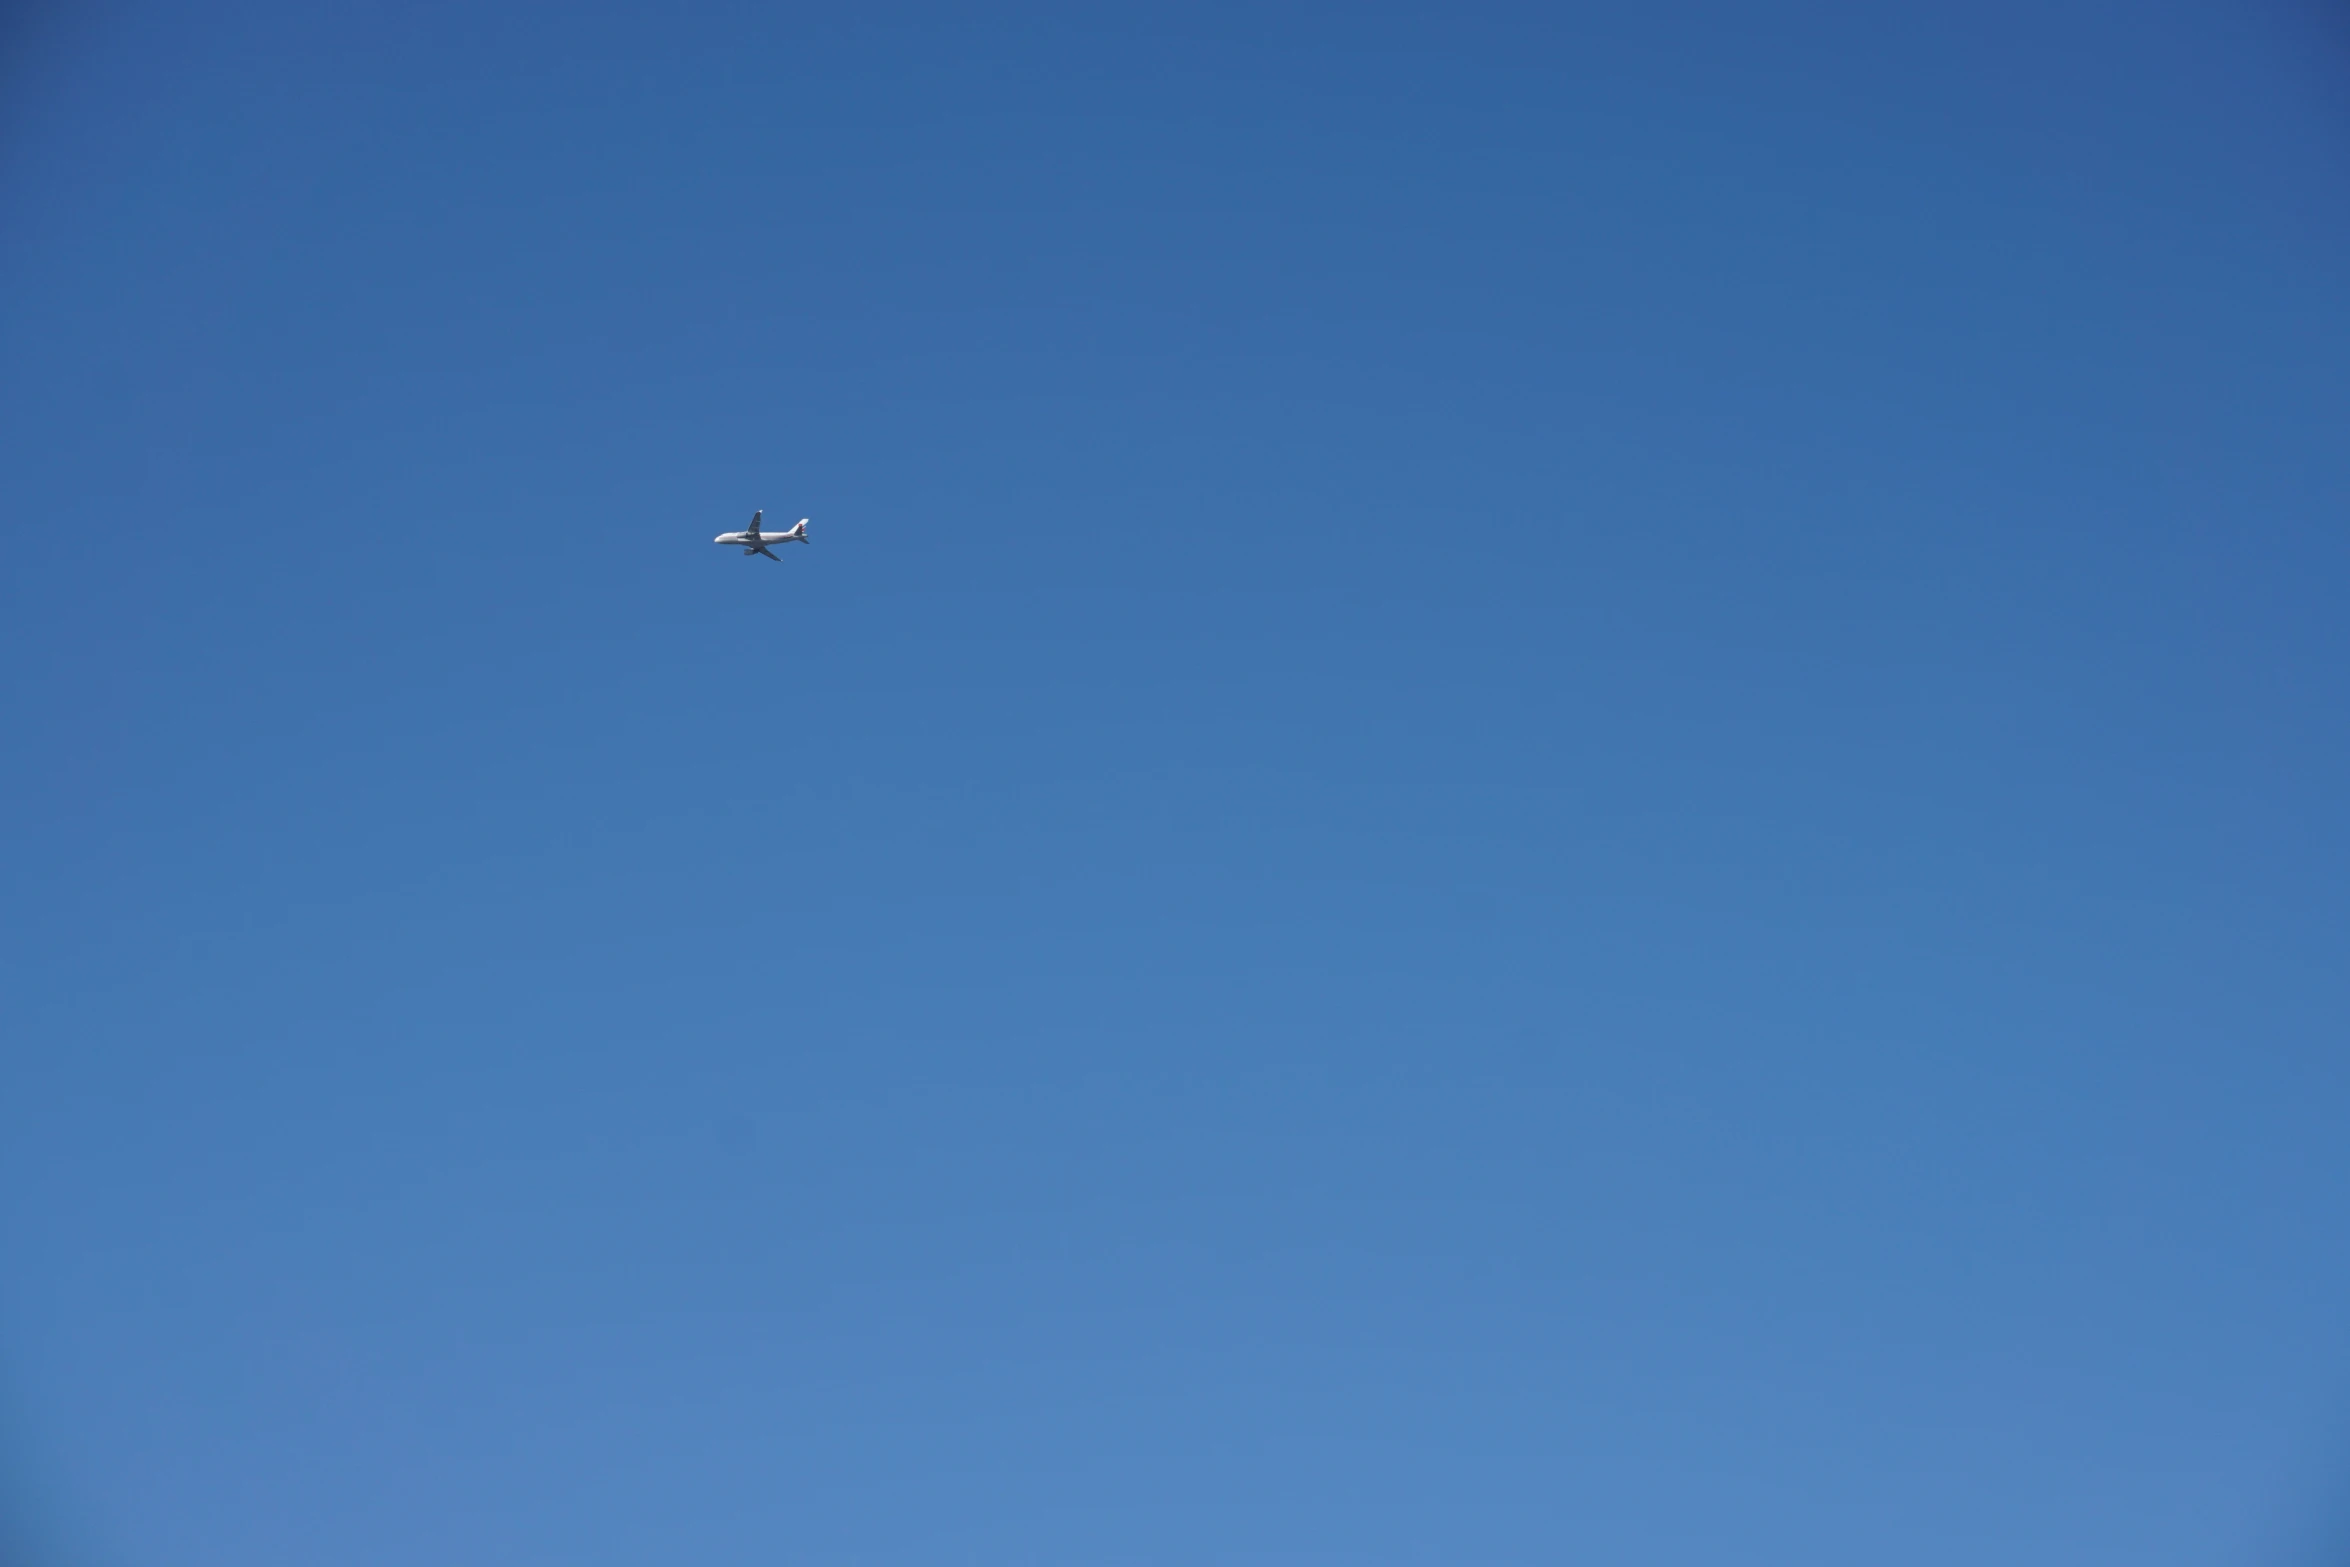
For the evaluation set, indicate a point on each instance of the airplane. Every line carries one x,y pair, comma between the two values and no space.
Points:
754,542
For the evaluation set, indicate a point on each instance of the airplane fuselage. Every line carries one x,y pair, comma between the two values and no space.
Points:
752,543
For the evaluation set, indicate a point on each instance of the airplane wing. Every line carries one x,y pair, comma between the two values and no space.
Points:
753,529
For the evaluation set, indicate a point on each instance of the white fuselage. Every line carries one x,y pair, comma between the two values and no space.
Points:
797,533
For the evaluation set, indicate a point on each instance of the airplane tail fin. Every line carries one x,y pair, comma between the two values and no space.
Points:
797,533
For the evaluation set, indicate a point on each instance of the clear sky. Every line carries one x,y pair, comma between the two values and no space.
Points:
1550,785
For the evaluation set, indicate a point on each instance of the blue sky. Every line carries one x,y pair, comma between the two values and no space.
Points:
1548,786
